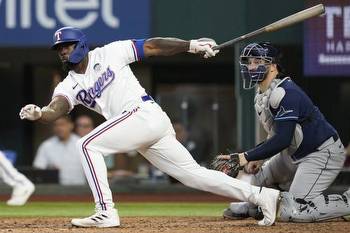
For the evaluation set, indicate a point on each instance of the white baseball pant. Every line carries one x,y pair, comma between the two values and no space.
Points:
147,129
8,173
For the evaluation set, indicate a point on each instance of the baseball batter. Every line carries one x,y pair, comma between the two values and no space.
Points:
306,152
102,81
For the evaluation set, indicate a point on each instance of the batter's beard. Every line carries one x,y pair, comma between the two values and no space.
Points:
67,66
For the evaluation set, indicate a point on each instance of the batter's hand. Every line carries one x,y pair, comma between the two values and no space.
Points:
203,46
30,112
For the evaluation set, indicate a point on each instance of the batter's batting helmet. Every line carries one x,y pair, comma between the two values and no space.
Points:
264,51
71,34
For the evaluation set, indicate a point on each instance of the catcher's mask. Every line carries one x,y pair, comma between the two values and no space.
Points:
260,54
72,35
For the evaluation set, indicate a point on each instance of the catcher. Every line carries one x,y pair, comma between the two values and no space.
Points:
304,151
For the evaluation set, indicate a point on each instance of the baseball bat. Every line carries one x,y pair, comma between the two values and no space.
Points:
282,23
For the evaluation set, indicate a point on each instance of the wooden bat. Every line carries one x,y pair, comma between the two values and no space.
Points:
282,23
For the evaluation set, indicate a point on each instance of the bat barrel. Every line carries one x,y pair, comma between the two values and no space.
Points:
285,22
296,18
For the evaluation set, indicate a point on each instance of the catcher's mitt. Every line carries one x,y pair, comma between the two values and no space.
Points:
228,164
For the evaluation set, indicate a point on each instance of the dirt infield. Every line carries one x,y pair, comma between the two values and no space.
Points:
170,224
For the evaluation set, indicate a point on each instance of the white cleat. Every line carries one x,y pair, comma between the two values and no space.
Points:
21,194
268,201
107,218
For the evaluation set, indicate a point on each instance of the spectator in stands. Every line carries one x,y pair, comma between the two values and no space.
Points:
22,188
83,125
60,152
193,146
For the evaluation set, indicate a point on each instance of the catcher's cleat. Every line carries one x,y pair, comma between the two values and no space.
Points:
346,218
242,210
228,214
21,193
108,218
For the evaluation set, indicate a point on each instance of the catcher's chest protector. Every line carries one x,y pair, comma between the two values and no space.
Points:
262,106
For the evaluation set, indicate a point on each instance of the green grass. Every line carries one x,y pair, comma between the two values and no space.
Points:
76,209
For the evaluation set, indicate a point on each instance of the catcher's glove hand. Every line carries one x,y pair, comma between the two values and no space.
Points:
228,164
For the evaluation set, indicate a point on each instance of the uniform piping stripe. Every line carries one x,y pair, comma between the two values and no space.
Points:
135,51
319,175
93,173
87,156
285,118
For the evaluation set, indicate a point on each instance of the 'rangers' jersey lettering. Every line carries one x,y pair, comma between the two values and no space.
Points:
108,86
88,97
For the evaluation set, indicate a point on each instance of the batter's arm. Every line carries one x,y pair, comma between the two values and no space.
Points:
160,46
59,106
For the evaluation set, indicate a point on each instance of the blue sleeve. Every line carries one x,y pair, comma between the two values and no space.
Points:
289,108
139,53
275,144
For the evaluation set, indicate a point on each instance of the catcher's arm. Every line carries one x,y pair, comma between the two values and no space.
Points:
59,106
284,132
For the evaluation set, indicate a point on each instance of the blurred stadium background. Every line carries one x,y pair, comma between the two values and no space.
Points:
204,95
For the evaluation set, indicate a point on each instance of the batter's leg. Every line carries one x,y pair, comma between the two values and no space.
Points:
172,158
137,128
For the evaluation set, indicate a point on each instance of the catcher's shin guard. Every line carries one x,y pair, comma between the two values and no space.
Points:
321,208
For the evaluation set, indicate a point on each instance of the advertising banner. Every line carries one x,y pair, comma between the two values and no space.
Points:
327,40
33,22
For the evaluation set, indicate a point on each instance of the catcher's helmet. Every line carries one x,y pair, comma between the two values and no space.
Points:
71,34
264,51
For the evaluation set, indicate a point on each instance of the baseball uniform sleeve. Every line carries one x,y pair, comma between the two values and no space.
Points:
65,89
289,107
127,51
284,131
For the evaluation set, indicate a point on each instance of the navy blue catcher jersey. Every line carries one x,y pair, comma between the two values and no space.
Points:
297,106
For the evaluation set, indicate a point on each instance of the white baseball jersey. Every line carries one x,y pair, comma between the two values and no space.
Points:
108,86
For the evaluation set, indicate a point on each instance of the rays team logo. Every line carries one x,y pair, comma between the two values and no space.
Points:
87,97
283,112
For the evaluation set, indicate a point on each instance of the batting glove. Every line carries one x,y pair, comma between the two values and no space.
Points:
30,112
203,46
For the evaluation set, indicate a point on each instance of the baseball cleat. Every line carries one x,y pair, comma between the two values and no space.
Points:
108,218
21,193
268,201
346,218
228,214
242,210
